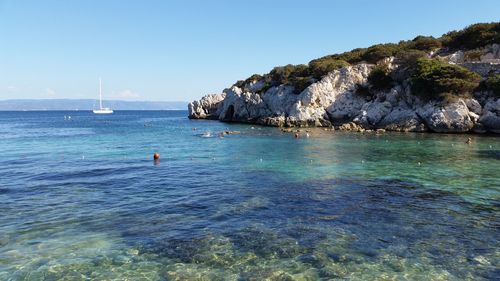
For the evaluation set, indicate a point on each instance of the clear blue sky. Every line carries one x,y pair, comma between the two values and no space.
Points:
181,50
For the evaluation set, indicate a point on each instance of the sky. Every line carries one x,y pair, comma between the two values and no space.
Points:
180,50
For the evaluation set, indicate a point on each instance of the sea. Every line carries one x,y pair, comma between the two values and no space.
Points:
81,198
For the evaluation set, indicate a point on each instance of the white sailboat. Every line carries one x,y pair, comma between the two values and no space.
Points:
102,110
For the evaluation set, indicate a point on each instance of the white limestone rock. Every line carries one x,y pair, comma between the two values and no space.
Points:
346,107
242,106
492,54
333,101
456,58
372,113
256,85
403,120
474,106
451,118
279,100
316,103
206,107
490,119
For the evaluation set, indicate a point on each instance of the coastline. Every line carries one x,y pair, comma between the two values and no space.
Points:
395,110
440,85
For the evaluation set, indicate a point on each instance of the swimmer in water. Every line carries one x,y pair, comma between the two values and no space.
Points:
156,158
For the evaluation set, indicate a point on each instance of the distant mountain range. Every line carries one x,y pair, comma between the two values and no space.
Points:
88,104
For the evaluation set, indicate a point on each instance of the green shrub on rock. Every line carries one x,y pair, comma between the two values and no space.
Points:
300,83
377,52
473,55
282,74
363,90
473,36
321,67
239,83
353,56
408,58
424,43
430,78
380,78
253,78
434,79
493,84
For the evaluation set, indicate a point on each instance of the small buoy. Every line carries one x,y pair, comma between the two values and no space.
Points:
260,159
362,161
491,147
156,156
419,163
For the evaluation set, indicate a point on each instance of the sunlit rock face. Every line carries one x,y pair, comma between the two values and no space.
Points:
206,107
452,118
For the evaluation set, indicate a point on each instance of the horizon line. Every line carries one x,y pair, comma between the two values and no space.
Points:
122,100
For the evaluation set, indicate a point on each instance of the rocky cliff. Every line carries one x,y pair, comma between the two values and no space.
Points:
334,100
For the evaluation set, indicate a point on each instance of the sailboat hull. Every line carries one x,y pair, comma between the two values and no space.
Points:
103,111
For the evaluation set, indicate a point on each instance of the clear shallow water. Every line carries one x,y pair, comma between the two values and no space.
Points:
82,199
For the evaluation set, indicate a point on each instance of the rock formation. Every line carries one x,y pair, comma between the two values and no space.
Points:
334,101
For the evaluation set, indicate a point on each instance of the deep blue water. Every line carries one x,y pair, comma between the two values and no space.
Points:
81,198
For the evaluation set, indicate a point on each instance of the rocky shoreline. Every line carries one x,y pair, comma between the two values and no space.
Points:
333,101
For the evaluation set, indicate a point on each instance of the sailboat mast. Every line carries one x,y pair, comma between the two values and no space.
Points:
100,94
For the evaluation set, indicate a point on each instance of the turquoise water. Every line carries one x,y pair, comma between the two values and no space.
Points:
82,199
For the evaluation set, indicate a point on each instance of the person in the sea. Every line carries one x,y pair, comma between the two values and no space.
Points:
156,158
469,141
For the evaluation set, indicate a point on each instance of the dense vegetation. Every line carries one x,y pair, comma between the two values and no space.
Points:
380,78
434,79
472,37
493,84
410,55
